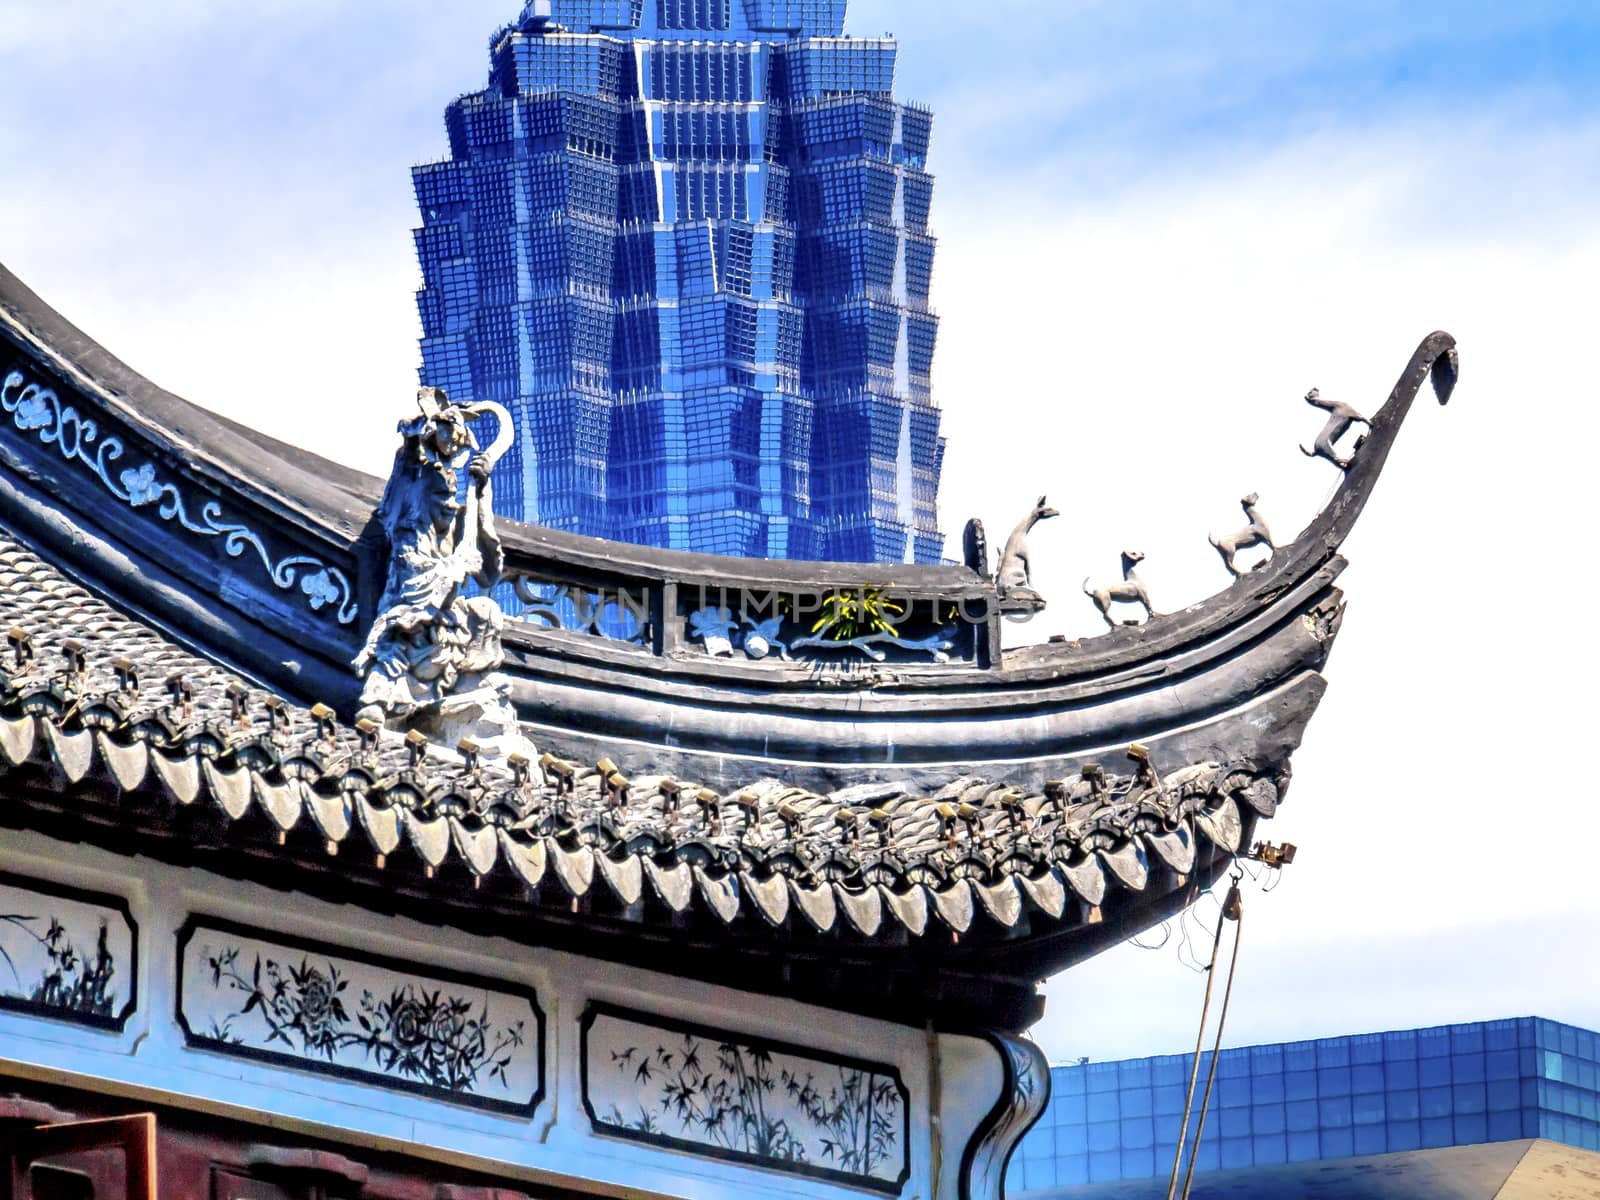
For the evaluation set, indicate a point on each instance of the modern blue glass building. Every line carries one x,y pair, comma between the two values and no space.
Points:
1452,1085
686,243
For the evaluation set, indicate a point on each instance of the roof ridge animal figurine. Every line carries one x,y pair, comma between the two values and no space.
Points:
1130,591
1014,575
975,548
1340,418
1254,534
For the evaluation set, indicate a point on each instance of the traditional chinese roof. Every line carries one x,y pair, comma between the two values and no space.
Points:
107,724
921,831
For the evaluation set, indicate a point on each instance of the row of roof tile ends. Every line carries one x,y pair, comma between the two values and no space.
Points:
85,691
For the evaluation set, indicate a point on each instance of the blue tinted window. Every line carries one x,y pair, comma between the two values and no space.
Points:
1072,1170
1337,1143
1072,1139
1400,1074
1234,1092
1301,1115
1500,1064
1102,1077
1503,1094
1304,1146
1368,1077
1140,1134
1234,1122
1268,1118
1435,1101
1403,1103
1170,1069
1370,1139
1334,1112
1169,1098
1299,1085
1134,1074
1467,1068
1103,1135
1399,1045
1471,1128
1270,1148
1437,1131
1267,1088
1433,1043
1237,1152
1265,1059
1404,1135
1105,1164
1138,1162
1366,1048
1468,1097
1333,1081
1500,1035
1333,1052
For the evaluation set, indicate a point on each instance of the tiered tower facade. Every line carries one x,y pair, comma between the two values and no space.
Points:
686,243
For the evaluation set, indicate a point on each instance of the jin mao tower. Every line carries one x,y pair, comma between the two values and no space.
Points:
685,243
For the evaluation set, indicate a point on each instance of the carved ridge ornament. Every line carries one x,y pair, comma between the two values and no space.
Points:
746,1099
66,954
293,1002
37,409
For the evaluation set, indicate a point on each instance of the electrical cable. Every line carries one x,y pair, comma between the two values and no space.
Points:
1166,936
1233,910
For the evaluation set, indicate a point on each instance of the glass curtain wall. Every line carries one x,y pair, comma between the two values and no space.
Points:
1452,1085
685,242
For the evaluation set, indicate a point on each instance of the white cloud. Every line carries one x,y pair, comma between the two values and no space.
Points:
1143,363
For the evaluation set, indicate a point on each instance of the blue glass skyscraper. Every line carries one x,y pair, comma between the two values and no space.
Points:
685,243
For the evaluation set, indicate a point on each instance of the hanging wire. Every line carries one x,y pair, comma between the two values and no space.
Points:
1191,960
1233,910
1188,956
1166,936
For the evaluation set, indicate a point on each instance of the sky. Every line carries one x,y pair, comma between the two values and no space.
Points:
1160,223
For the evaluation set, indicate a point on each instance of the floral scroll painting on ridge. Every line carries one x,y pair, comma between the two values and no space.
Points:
727,1095
65,954
320,1008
